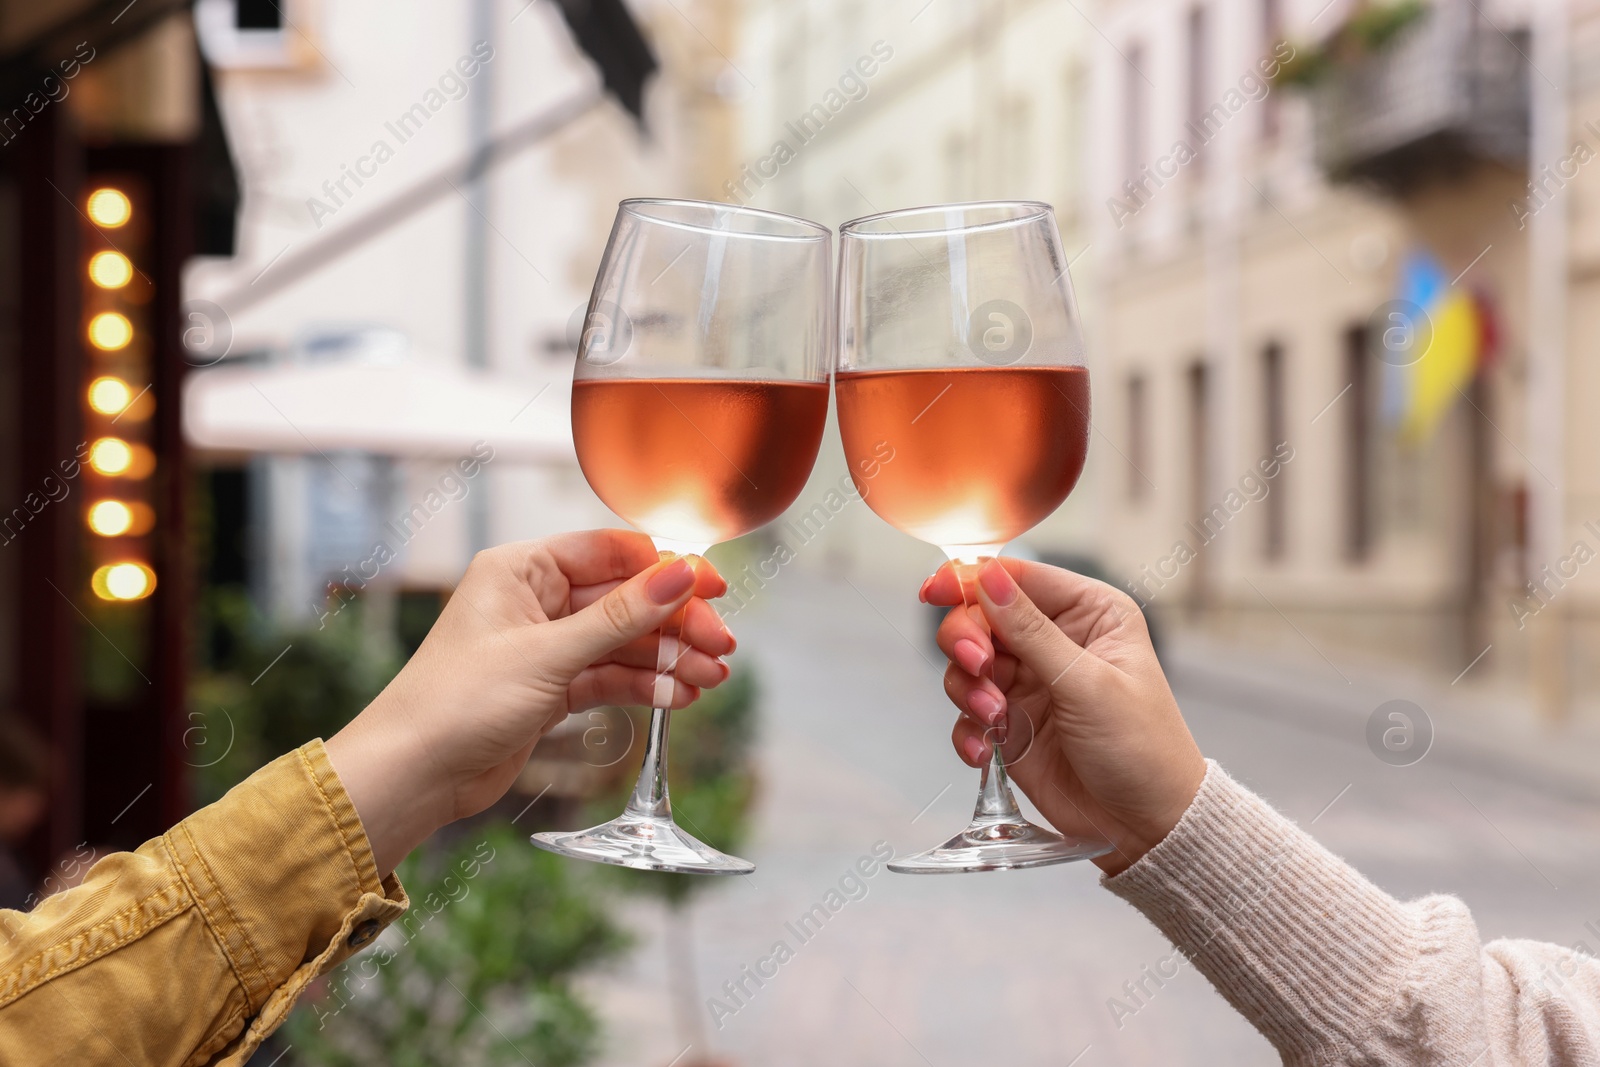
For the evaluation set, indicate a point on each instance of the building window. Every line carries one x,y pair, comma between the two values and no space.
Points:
1209,518
1017,152
1198,75
1271,34
1357,447
1199,439
257,15
957,165
253,34
1134,107
1072,143
1275,423
1138,442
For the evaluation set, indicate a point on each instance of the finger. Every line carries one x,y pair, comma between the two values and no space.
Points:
612,683
590,556
1004,671
690,664
709,584
1081,606
963,637
1031,636
630,611
977,696
942,588
945,586
970,742
702,626
1075,601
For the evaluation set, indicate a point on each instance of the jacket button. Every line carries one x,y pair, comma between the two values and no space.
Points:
364,932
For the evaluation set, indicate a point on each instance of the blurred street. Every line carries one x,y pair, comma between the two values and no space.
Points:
1019,967
294,295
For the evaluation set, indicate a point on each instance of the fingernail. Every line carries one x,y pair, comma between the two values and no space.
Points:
727,671
970,656
973,747
985,705
922,594
996,582
670,582
733,642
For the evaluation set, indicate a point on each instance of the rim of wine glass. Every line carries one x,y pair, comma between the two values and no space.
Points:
1027,211
814,231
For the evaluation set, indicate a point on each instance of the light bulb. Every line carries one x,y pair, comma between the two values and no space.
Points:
110,455
109,207
110,270
110,330
123,581
109,395
110,518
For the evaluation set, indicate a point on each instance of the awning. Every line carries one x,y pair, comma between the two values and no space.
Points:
407,410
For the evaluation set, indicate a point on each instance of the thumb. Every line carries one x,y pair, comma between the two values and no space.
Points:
639,606
1059,661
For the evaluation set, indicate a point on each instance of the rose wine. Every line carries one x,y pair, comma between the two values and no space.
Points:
697,460
980,454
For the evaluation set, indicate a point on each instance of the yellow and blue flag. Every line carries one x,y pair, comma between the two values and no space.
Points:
1419,393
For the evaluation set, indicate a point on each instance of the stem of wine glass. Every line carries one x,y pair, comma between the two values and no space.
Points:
650,797
996,802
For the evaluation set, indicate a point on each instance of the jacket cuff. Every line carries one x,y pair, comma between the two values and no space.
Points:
1303,946
283,873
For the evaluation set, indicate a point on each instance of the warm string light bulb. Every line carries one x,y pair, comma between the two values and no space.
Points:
110,270
110,518
111,455
123,581
110,331
110,395
120,518
109,208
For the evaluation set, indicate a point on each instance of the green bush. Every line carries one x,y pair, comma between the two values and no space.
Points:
267,690
1368,29
476,973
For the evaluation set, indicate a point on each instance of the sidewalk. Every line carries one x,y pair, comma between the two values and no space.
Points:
1489,728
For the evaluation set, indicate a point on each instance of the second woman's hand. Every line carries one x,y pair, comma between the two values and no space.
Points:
1095,737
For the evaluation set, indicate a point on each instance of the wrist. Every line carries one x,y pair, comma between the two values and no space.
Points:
394,785
1153,825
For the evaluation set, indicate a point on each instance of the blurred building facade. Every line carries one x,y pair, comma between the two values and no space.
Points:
114,170
1237,241
849,109
443,212
1249,237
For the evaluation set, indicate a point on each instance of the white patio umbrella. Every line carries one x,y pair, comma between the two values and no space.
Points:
408,409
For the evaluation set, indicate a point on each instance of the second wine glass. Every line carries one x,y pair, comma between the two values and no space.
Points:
960,349
698,404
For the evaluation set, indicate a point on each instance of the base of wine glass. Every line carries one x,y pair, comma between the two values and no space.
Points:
643,842
999,845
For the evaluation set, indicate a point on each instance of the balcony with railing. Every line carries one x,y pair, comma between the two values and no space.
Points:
1447,91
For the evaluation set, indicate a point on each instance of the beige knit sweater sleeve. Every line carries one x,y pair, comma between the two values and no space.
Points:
1335,971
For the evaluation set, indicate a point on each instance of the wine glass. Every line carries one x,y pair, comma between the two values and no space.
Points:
698,404
960,349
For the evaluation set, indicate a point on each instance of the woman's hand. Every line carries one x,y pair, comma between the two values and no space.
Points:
534,631
1095,737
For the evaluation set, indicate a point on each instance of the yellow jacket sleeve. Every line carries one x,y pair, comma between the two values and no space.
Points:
193,949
